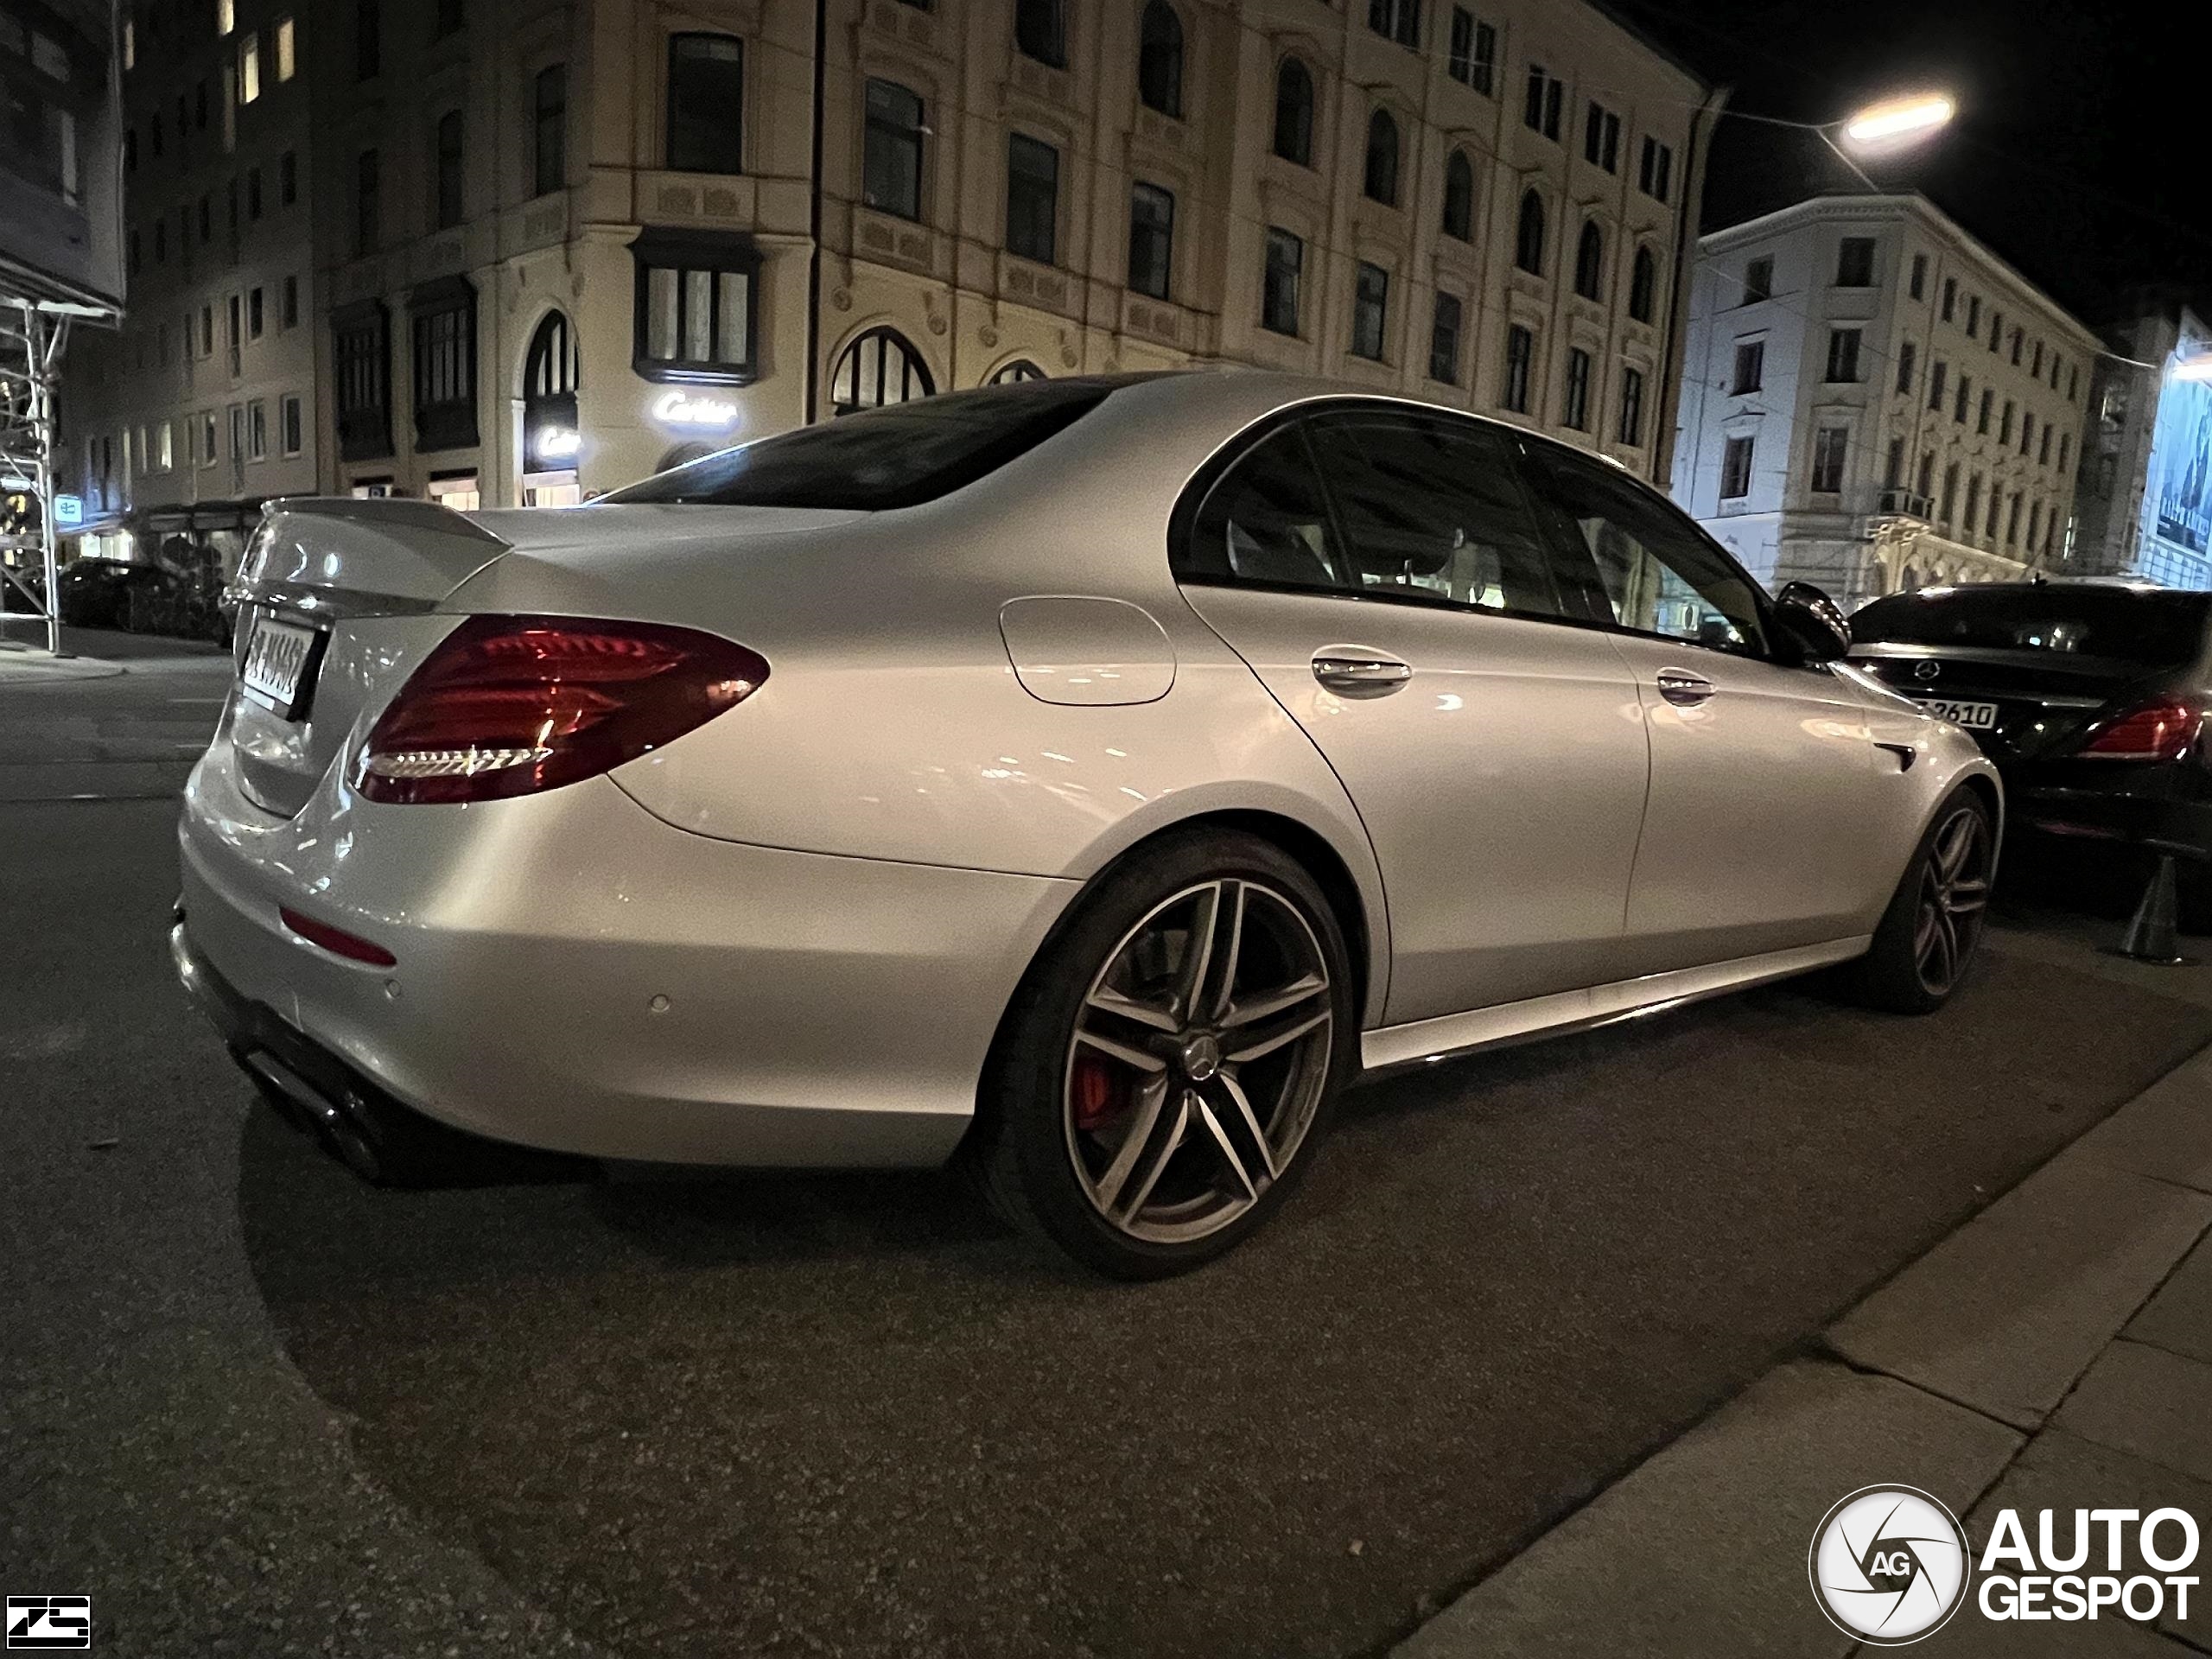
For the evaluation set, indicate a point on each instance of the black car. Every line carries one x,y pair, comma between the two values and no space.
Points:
2090,696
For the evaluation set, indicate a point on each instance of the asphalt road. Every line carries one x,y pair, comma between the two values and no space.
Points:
252,1408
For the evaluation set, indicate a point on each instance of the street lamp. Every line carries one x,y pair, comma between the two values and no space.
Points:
1896,122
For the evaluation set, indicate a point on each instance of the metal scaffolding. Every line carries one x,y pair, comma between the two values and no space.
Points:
33,333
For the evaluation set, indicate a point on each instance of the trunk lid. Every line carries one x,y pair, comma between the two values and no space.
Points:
2041,705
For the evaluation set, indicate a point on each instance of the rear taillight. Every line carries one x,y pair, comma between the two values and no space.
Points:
511,705
2163,730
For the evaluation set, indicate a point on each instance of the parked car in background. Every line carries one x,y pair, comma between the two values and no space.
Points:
1083,778
2090,696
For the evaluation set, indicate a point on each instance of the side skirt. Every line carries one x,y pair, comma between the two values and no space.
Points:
1600,1005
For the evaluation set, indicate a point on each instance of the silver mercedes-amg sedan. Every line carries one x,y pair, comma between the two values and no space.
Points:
1081,779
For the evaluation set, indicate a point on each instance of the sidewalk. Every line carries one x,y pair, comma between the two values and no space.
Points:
90,653
2055,1352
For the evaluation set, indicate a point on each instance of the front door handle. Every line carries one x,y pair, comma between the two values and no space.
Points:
1683,688
1359,671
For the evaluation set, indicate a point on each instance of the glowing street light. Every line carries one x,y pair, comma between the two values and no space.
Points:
1898,121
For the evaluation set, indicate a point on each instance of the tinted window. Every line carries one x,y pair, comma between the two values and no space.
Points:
1265,520
897,456
1658,574
2157,630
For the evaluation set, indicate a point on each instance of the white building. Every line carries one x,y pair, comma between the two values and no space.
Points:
2145,484
1872,401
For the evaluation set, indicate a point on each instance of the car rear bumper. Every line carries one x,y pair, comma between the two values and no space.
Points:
2152,818
575,975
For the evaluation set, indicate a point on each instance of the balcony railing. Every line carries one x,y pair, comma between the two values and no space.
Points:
1907,504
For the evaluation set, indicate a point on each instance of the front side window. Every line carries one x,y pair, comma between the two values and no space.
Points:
706,103
1659,575
891,171
550,107
1294,112
1382,172
695,306
1033,197
1443,339
1370,304
1279,293
1152,239
1159,60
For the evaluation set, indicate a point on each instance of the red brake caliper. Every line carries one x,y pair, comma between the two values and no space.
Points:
1100,1096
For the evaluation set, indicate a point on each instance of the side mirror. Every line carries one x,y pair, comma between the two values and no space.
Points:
1812,621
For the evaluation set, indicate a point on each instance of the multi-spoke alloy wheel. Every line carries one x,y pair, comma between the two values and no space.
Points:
1954,892
1199,1057
1171,1057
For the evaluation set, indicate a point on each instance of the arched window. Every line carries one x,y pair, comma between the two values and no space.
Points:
1643,279
1383,158
1040,30
1460,197
1016,371
881,367
549,396
1294,112
1159,60
1528,237
1590,260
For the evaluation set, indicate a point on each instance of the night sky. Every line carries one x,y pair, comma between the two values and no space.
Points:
2084,149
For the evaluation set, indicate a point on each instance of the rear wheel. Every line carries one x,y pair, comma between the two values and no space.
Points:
1927,935
1171,1059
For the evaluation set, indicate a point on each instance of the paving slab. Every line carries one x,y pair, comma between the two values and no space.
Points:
2144,1400
2165,1132
1702,1550
2179,1318
2006,1313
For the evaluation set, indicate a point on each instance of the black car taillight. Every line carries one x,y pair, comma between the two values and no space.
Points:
2162,730
511,705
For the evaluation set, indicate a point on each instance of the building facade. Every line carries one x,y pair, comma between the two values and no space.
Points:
1873,401
2145,484
545,247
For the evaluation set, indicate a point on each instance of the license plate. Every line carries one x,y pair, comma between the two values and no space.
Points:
1974,716
278,658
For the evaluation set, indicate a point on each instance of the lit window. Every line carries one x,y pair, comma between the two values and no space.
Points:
227,18
250,68
695,306
287,50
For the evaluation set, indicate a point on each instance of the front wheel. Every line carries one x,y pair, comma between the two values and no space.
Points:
1170,1058
1927,935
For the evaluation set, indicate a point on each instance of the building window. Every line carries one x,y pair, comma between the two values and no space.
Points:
288,312
706,103
1908,355
448,176
1950,297
450,18
1973,318
1540,104
1396,20
1973,500
257,430
1575,411
253,314
1152,239
2042,450
695,299
368,203
1630,431
1935,374
1590,260
1040,31
891,169
1014,374
1959,401
1642,285
1474,60
368,39
1279,285
1751,367
879,368
1927,475
2027,430
1843,354
1893,473
549,396
291,434
1460,197
444,315
1382,177
549,119
1519,361
2005,425
2012,522
1828,447
1294,112
1528,235
250,68
360,336
1655,174
1946,509
1854,261
1443,339
207,439
1159,60
1370,305
2065,450
1601,138
2016,347
1735,469
1033,197
1919,284
287,178
253,193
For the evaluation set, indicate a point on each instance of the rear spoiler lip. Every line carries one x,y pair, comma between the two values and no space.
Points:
388,509
386,513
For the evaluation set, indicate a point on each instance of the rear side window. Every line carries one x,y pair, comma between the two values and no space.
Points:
2153,630
898,456
1265,521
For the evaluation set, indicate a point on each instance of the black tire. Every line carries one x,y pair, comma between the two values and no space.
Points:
1904,972
1039,1159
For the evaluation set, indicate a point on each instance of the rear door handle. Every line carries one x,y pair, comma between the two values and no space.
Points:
1359,671
1683,688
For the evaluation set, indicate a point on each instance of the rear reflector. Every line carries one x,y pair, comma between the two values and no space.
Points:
338,941
2159,731
511,705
